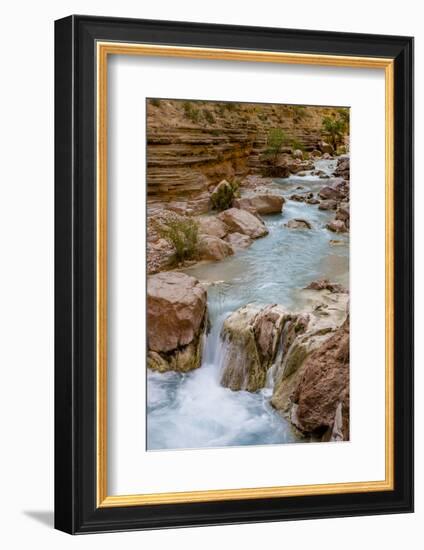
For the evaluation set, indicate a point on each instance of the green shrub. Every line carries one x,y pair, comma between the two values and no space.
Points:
182,233
224,195
276,139
334,129
155,101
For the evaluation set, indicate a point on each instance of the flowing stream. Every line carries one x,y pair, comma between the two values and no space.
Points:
193,410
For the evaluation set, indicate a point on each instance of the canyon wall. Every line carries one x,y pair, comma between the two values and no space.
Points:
192,145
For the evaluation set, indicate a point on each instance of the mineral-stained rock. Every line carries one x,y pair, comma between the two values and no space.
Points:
214,248
257,338
266,203
242,369
156,362
241,221
251,335
238,241
326,313
176,320
298,223
323,385
267,328
212,225
337,226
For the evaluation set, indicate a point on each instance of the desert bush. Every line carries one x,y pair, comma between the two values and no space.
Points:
224,194
276,139
155,101
182,233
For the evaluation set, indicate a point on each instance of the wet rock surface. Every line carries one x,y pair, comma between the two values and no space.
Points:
176,320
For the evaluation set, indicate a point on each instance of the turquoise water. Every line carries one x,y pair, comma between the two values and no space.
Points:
192,410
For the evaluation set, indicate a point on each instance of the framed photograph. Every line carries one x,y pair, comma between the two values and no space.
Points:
234,274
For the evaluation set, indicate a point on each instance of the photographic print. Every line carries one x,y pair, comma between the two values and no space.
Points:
247,274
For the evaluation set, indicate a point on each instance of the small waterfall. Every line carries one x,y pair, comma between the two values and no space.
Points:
214,346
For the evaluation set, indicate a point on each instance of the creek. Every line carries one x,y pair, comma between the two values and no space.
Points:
193,410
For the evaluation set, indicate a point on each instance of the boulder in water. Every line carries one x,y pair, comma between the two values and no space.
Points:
242,369
298,223
266,203
328,192
212,225
329,204
238,240
241,221
321,395
214,249
337,226
251,338
176,320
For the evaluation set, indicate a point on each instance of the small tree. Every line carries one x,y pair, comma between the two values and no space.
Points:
182,233
334,130
276,139
344,117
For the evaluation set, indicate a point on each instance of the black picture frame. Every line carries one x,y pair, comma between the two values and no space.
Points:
76,510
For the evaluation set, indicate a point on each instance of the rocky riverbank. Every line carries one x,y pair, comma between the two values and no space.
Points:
222,233
304,352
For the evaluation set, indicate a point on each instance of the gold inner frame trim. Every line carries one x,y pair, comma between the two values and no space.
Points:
103,50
